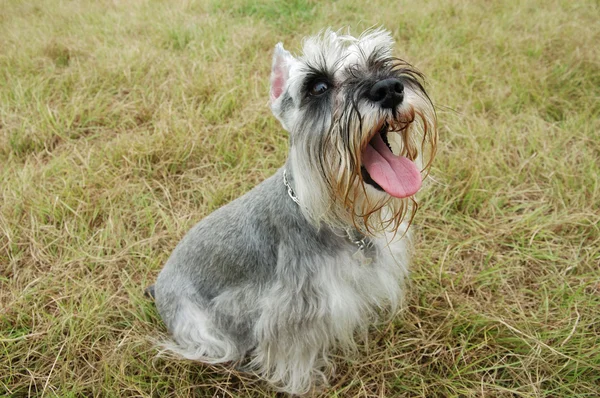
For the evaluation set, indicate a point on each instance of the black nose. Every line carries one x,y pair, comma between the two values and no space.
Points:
388,93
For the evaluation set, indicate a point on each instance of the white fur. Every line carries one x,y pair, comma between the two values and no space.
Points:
315,287
346,292
197,338
344,295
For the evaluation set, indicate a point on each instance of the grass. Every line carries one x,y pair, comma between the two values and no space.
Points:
124,123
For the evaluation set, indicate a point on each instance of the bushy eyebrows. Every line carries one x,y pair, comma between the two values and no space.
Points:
316,73
317,66
320,66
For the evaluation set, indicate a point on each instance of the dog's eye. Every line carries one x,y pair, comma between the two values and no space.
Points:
319,88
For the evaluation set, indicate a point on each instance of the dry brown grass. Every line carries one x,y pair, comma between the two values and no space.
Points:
124,123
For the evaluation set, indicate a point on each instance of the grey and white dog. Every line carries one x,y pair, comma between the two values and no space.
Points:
277,278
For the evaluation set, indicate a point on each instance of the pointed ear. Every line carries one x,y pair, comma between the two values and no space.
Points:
282,60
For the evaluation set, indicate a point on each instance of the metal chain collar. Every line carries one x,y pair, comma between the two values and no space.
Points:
362,243
290,191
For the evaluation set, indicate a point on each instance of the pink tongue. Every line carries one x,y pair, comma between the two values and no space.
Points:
397,175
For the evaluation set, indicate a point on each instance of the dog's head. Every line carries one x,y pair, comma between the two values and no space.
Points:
362,128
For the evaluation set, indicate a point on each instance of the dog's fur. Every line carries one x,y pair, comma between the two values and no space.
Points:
279,283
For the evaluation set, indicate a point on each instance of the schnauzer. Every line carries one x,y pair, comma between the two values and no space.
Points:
277,278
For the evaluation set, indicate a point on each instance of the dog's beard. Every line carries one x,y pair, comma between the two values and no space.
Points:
407,140
330,173
328,152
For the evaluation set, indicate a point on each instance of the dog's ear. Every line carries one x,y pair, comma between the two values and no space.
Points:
280,71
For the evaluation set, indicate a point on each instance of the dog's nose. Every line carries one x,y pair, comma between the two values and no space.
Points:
388,93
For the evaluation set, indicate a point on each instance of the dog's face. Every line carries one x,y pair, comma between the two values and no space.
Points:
362,128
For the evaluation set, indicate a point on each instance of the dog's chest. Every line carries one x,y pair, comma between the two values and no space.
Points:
354,283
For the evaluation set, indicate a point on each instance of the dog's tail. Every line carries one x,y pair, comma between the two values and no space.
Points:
196,337
149,292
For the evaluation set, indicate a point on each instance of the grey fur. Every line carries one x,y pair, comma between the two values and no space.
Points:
279,283
238,246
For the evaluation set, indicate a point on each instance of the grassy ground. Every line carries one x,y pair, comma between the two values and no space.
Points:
122,123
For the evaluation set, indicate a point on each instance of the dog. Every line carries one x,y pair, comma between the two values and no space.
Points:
280,277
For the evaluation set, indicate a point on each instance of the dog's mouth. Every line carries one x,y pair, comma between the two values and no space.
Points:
381,168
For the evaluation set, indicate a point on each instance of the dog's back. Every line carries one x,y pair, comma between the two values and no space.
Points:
234,246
